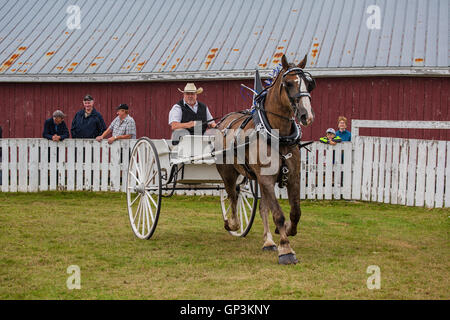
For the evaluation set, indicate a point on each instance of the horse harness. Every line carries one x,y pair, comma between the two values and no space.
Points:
259,116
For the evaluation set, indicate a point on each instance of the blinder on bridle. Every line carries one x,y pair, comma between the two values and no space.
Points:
310,85
310,82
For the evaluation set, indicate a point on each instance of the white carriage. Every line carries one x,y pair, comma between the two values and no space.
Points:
158,169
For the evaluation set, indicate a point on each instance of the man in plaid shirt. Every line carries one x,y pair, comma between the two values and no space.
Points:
122,127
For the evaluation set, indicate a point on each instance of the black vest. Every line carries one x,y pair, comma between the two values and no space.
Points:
190,115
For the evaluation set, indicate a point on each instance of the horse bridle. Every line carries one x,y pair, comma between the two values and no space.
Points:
310,82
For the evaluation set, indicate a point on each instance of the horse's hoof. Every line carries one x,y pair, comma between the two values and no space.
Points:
287,259
228,228
270,248
276,231
291,233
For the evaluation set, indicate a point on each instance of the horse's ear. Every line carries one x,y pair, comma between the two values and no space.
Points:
284,62
302,63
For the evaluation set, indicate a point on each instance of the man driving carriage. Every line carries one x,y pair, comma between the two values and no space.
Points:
188,113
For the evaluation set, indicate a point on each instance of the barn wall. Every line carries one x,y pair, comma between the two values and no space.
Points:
25,106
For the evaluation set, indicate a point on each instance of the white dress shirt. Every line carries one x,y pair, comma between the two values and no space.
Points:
176,112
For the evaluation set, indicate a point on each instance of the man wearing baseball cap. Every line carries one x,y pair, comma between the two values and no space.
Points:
88,123
122,127
330,137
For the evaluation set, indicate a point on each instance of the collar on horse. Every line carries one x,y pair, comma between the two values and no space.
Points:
259,116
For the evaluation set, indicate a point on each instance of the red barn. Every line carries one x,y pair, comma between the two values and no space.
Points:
386,61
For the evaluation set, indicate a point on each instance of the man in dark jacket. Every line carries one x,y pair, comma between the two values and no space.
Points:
55,128
88,123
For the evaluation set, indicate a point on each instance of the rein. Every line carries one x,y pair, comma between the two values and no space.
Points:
259,114
280,116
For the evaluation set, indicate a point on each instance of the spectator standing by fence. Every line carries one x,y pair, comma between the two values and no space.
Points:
55,128
342,131
88,123
122,127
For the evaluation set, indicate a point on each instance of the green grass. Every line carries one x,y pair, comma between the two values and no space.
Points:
191,256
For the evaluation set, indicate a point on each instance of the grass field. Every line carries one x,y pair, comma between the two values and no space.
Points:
191,256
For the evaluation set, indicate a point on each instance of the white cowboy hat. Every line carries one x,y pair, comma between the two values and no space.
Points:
191,88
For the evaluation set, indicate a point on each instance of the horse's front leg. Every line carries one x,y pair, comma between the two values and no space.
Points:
269,244
293,190
285,253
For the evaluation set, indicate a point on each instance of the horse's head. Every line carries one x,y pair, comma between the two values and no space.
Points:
297,86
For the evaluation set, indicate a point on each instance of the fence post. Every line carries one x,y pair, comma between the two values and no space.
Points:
70,164
440,174
347,189
13,164
412,164
115,167
88,145
357,167
431,175
4,144
420,186
447,177
33,166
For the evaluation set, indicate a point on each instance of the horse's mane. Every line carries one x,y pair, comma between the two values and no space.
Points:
274,74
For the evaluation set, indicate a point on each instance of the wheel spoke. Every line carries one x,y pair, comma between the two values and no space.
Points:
145,219
150,209
137,197
151,170
244,199
137,169
228,210
141,168
241,208
135,178
250,206
137,211
145,169
151,198
151,178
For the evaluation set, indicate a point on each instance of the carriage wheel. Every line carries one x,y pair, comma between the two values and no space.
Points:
144,188
246,205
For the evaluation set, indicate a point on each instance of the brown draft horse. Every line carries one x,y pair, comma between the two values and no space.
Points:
286,99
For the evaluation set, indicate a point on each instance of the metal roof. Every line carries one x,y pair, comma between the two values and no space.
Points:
120,40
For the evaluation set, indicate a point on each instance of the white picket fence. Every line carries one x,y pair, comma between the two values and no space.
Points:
398,171
30,165
401,171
